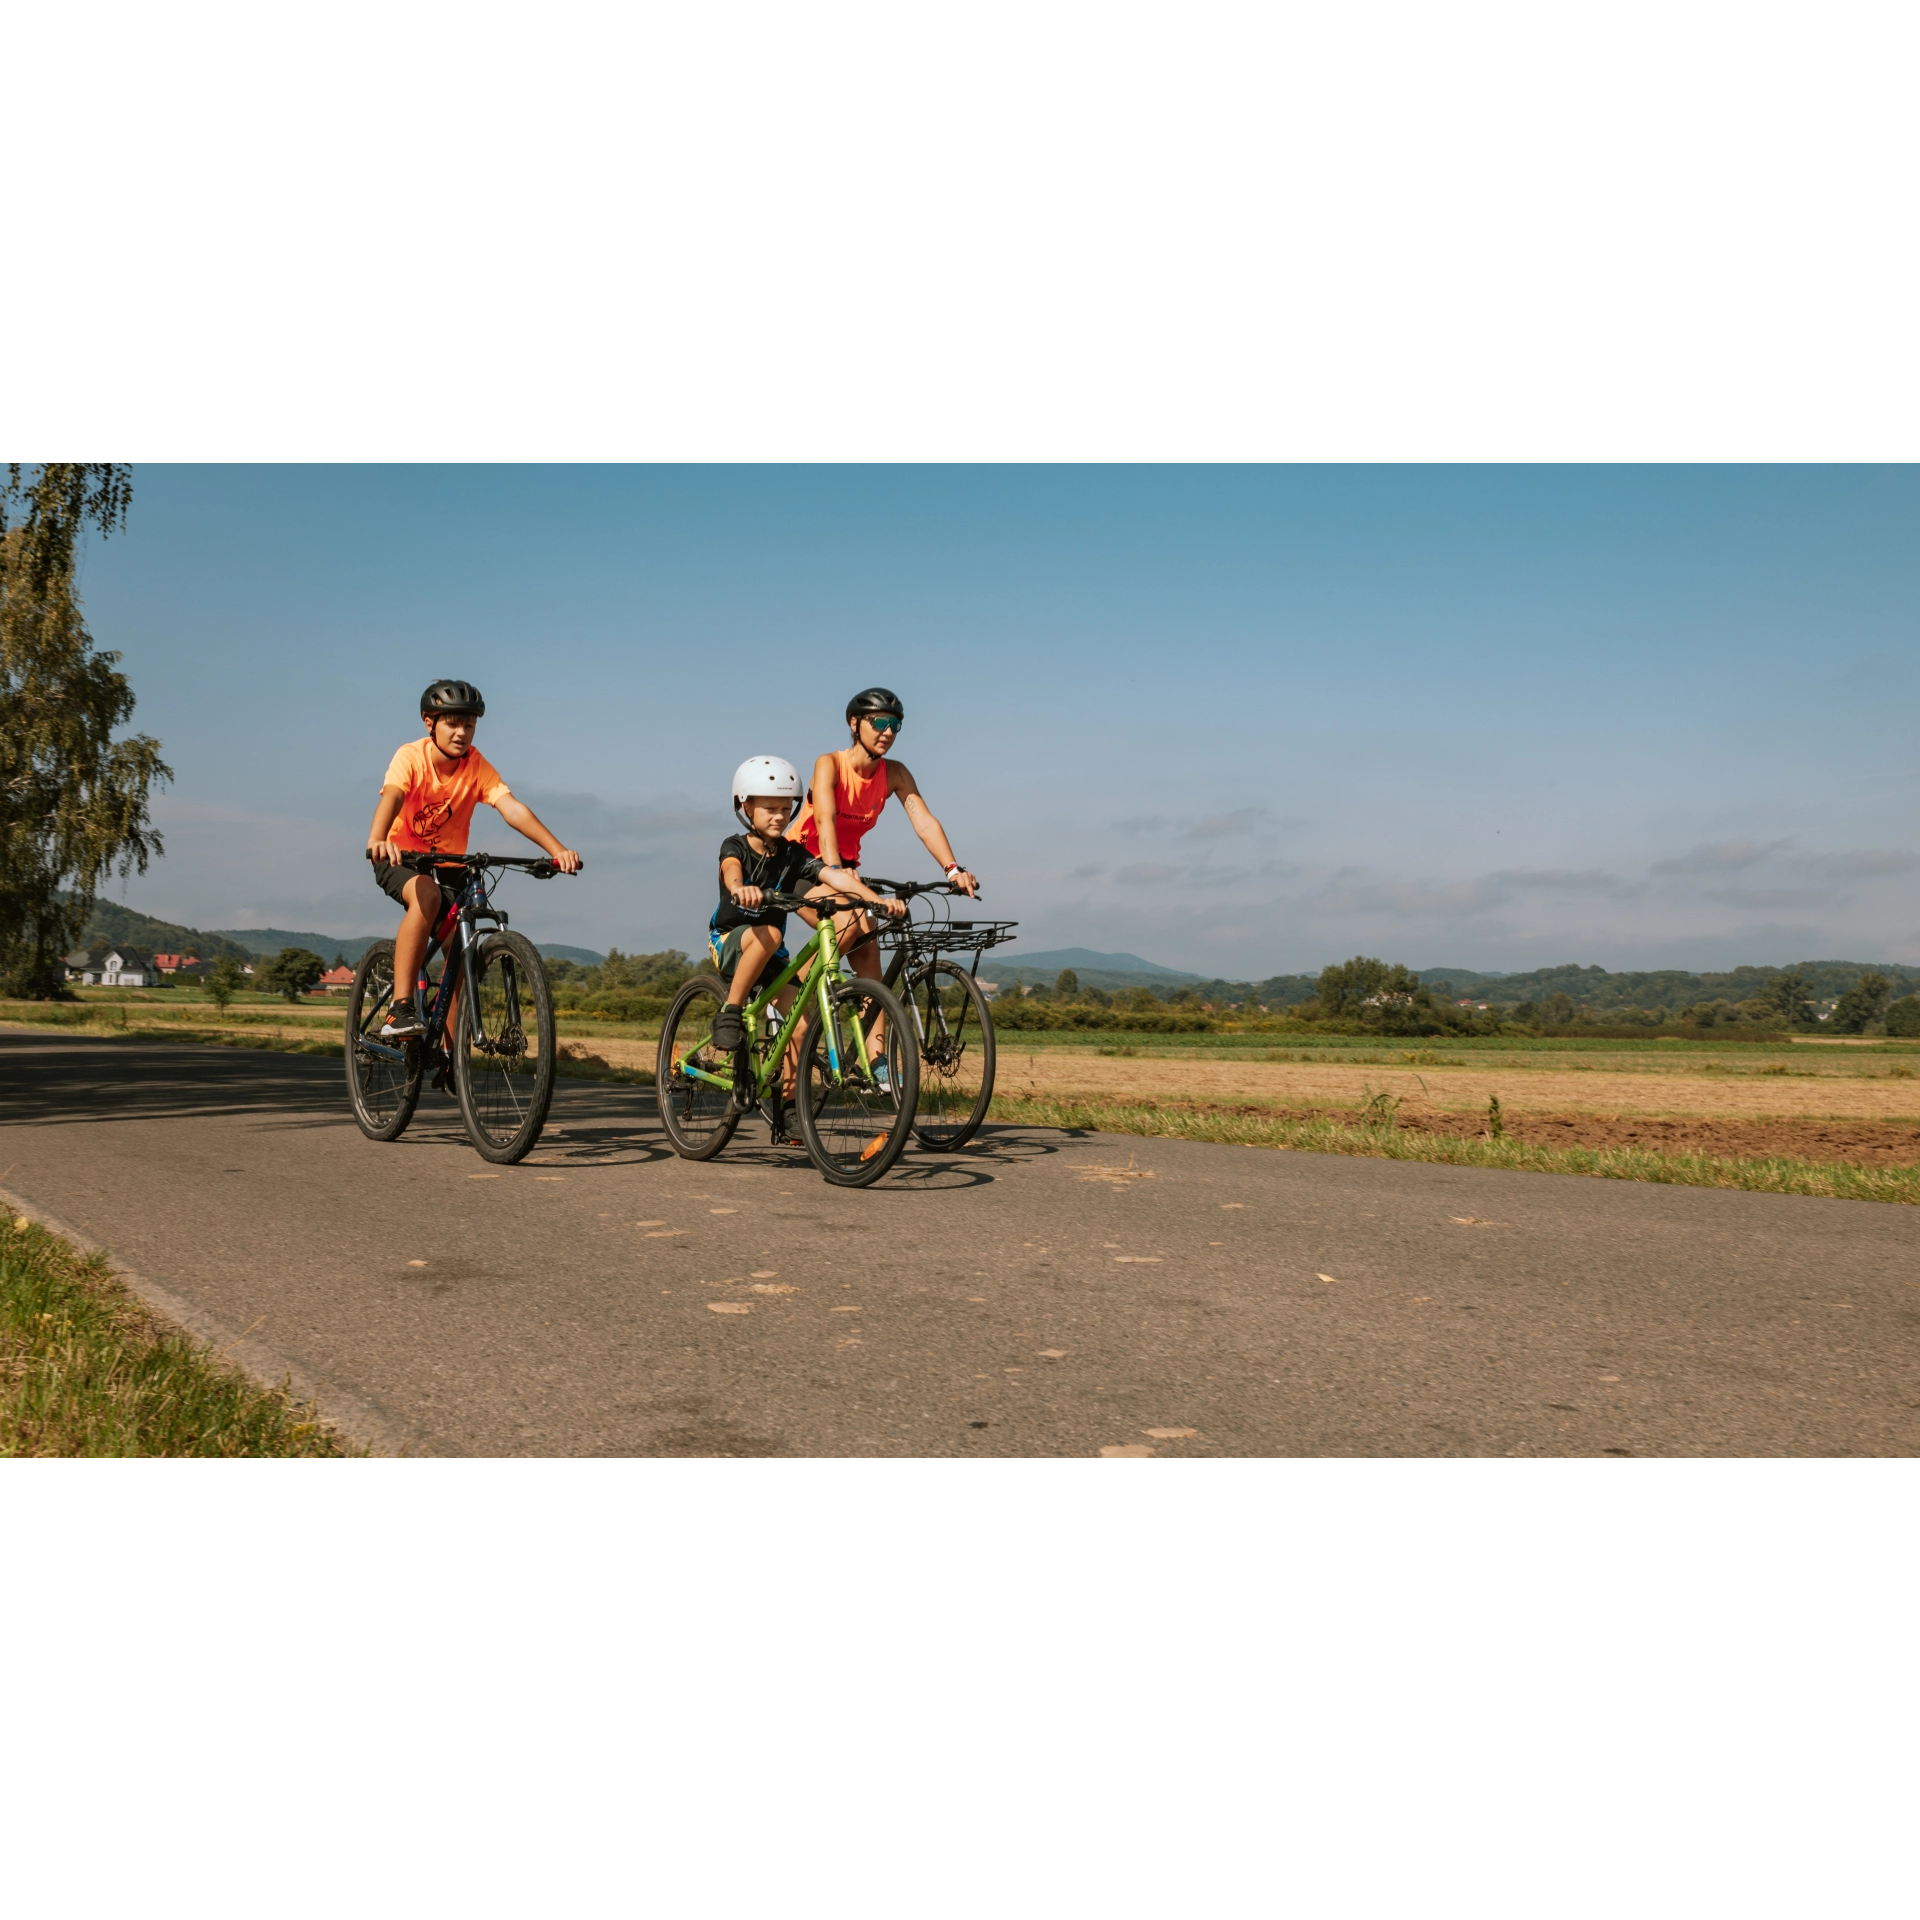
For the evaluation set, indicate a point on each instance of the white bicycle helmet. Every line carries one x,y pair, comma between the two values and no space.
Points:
764,777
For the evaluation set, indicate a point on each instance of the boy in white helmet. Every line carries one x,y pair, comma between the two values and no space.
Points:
744,933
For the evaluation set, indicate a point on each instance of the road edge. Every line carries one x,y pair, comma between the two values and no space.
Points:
357,1420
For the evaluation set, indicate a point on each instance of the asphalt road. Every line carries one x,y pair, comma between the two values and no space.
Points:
1040,1293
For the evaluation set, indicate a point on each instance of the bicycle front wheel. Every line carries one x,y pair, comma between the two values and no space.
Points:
857,1087
503,1059
955,1032
383,1076
692,1078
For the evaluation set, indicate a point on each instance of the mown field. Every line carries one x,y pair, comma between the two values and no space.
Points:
1797,1115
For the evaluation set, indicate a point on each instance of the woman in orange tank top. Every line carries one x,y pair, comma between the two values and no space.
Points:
849,790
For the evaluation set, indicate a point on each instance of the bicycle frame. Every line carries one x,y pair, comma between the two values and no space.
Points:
459,925
825,946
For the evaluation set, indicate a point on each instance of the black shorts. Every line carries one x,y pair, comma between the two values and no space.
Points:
394,878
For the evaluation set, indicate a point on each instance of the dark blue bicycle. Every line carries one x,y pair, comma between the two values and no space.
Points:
488,1030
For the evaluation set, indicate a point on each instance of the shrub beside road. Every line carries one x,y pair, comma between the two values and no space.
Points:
86,1371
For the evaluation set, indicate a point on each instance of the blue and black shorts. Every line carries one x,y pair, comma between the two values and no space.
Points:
725,947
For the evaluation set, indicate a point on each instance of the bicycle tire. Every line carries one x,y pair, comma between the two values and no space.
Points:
384,1092
853,1131
950,1111
699,1119
502,1067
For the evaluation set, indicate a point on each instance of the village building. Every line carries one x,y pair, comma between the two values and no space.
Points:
105,966
337,979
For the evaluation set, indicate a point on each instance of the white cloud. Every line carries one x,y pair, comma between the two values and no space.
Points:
1767,896
1223,826
1559,879
1871,862
1721,856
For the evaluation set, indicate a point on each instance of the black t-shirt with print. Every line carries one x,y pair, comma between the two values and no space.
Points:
789,868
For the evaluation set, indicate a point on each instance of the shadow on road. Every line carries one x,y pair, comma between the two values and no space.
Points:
64,1082
54,1081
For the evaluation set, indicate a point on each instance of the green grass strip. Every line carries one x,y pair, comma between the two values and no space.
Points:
1824,1179
86,1371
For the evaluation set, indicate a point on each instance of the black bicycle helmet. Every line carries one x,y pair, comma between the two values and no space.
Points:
875,700
453,696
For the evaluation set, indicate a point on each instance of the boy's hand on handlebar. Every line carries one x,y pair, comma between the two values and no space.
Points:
967,885
387,850
567,860
748,897
892,908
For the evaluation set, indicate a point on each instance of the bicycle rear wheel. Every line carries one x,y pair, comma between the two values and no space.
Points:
955,1032
855,1126
697,1113
503,1057
383,1077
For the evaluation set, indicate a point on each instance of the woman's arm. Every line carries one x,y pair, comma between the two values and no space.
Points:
522,819
843,880
826,783
932,835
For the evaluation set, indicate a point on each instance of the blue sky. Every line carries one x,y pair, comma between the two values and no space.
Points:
1240,720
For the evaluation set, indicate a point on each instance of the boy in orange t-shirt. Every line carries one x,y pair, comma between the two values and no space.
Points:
426,806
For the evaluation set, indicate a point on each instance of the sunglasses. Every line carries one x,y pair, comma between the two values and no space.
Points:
882,722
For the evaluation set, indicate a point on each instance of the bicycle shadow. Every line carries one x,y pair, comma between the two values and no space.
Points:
92,1082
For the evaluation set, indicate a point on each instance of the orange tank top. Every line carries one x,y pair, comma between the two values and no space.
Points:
855,808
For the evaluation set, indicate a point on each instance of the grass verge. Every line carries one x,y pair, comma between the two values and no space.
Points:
86,1371
1827,1180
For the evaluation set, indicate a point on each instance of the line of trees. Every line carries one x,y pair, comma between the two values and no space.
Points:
625,985
73,799
1368,995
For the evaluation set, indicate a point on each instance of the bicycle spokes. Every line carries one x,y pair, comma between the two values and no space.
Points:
858,1081
383,1078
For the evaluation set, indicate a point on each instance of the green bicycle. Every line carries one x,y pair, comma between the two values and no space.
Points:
856,1079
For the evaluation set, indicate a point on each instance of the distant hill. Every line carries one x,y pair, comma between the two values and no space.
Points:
581,956
123,926
258,940
120,926
1108,971
269,940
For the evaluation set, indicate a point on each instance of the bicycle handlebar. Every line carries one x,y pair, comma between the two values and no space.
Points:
541,869
796,902
906,889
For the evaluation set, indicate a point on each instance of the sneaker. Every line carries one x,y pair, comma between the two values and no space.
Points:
882,1079
729,1030
402,1022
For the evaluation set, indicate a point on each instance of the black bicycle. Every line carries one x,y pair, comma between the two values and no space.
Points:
952,1020
489,1028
